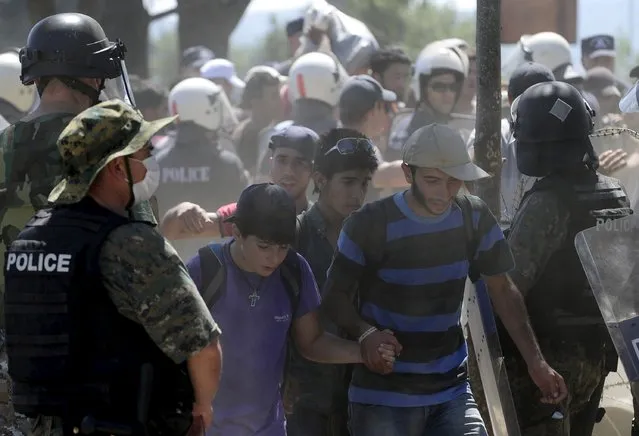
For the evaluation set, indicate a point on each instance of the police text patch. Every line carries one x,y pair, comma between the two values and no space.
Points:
38,262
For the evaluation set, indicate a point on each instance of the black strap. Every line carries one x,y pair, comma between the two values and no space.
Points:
213,273
292,275
301,231
472,239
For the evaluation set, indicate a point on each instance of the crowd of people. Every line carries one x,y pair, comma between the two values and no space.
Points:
288,253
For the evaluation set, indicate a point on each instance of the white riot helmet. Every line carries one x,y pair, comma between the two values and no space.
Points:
202,102
316,76
547,48
437,59
449,43
12,90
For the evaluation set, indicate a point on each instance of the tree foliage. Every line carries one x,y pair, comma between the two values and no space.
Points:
273,47
411,23
626,59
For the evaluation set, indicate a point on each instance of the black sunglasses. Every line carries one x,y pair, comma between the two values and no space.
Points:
347,146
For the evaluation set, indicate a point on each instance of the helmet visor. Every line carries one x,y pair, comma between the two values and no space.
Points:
119,87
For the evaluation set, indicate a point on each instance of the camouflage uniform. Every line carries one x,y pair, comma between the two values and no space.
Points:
145,277
539,229
30,167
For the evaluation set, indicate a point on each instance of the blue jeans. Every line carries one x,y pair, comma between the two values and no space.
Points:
457,417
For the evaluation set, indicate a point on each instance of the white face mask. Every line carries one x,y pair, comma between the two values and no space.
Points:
144,189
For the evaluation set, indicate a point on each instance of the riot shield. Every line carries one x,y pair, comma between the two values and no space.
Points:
490,359
609,254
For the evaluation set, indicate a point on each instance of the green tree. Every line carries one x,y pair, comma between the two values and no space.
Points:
426,22
411,23
627,59
162,58
275,46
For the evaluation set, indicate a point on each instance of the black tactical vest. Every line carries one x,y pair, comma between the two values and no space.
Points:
196,170
71,354
562,296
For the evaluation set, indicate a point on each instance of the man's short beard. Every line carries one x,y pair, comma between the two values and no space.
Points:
419,197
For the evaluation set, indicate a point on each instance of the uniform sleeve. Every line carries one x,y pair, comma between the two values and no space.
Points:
538,230
352,255
309,294
226,229
144,212
493,255
149,284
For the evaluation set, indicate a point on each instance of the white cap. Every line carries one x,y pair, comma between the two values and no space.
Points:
221,69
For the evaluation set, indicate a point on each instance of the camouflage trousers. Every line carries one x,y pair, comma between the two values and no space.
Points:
46,426
583,374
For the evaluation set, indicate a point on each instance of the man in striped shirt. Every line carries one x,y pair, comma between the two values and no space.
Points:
406,257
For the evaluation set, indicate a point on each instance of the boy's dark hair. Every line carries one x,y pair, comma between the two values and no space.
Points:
384,58
334,162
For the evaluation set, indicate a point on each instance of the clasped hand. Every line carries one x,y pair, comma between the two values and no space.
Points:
379,351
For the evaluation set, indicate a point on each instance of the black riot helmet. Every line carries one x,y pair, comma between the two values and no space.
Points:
69,46
551,125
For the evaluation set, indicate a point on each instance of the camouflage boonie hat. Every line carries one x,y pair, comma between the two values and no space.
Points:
93,139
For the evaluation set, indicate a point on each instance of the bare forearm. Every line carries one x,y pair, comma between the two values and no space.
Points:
328,348
511,308
339,308
170,225
174,229
204,369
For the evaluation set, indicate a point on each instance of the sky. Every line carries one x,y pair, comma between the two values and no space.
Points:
266,5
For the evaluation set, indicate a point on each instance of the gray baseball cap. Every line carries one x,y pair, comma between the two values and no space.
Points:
440,147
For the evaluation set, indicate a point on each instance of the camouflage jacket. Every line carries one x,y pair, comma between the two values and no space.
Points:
29,169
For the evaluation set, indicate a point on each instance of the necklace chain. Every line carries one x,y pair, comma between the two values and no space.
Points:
254,296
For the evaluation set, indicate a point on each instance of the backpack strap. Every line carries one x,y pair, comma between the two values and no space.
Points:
465,203
213,273
291,271
301,231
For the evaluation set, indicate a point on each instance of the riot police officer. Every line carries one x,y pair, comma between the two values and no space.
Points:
546,48
551,124
100,311
70,61
440,72
194,165
315,82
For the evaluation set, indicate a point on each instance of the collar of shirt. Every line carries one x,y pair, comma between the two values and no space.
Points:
316,219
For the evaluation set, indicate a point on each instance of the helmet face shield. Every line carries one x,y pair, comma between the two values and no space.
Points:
119,87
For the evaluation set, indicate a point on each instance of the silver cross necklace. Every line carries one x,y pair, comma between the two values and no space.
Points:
253,296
